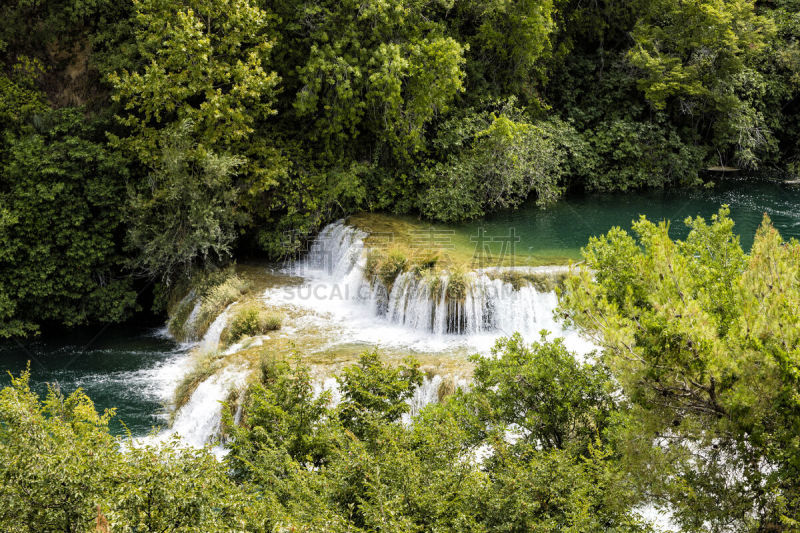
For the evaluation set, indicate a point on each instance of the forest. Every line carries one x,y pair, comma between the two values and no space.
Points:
144,140
148,145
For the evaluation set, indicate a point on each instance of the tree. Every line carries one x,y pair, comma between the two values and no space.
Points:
61,232
509,45
373,392
204,62
369,72
376,472
704,340
188,214
62,470
498,162
203,86
541,392
695,57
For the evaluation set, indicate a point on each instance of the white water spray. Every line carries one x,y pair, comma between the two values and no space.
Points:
418,312
200,419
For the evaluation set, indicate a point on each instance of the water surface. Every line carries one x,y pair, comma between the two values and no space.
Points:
132,369
562,229
135,369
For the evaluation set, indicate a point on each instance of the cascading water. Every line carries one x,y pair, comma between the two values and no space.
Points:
482,305
431,313
488,305
210,342
201,418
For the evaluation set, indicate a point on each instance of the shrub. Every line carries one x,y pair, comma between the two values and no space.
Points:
434,281
425,261
391,267
457,285
250,319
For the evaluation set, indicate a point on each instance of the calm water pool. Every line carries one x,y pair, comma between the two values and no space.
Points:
129,368
562,229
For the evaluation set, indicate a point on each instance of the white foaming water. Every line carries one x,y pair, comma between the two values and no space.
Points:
200,419
416,313
328,385
210,342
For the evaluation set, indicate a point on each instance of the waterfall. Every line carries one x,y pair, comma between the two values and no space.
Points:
191,320
210,342
200,419
335,251
337,257
432,311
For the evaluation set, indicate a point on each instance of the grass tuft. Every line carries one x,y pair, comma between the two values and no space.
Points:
457,285
250,319
216,299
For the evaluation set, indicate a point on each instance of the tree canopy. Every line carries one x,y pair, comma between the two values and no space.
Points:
233,123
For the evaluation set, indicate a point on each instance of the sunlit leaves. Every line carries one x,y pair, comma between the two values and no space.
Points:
704,340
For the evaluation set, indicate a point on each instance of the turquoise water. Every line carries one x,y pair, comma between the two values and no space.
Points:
562,229
135,369
129,368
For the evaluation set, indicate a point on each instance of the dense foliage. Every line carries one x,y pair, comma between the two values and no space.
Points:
218,126
705,342
298,464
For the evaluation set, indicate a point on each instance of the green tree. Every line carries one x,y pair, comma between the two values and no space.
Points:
187,216
63,471
60,239
191,107
373,392
437,473
704,341
696,57
543,393
202,61
498,162
509,46
383,70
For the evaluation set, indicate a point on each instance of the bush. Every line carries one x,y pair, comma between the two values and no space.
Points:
457,285
250,319
392,266
506,161
61,257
